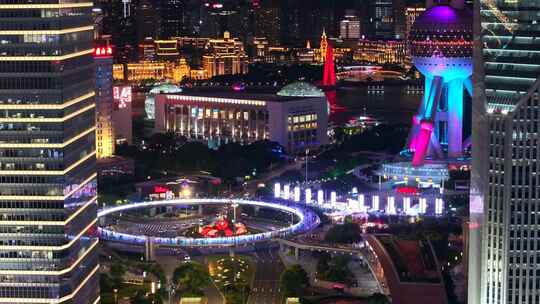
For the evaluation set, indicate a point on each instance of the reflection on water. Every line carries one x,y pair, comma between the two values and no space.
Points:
389,103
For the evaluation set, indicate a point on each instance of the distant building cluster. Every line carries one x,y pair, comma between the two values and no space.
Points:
204,40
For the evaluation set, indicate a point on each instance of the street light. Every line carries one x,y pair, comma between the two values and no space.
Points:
115,295
234,205
307,152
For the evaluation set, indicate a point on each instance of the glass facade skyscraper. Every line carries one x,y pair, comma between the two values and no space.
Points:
504,262
47,153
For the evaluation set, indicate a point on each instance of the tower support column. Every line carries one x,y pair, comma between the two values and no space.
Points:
455,117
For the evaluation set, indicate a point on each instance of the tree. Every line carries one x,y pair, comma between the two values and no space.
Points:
117,274
293,280
191,277
338,270
139,298
378,298
322,263
347,233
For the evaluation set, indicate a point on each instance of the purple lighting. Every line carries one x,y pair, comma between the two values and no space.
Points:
441,48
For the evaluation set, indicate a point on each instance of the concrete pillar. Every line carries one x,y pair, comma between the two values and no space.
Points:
149,249
296,253
200,211
153,211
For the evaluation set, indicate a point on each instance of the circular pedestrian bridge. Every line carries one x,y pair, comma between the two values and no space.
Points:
307,220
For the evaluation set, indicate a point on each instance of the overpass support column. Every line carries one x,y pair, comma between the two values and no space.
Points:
149,249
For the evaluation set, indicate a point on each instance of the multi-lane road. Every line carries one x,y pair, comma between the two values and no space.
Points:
265,288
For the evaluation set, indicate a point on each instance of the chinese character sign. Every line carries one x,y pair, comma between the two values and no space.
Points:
121,96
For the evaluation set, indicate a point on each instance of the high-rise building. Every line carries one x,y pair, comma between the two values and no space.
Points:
505,214
48,243
172,12
146,21
103,59
268,23
411,13
381,19
349,26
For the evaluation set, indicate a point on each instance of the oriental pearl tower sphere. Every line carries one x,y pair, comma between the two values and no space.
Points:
441,49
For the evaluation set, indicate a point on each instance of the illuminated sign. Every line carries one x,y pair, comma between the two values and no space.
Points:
103,51
122,96
160,189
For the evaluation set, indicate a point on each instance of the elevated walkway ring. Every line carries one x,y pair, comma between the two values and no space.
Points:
308,220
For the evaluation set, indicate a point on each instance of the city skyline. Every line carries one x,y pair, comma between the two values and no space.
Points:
269,151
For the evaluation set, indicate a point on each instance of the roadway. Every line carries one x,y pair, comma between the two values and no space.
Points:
265,288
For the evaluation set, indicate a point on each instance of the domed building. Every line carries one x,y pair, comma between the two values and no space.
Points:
300,89
296,117
149,102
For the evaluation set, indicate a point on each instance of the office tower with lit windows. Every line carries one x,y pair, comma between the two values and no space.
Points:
172,13
103,58
381,19
504,261
349,26
47,153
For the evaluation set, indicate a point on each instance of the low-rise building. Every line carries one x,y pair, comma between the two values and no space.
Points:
296,117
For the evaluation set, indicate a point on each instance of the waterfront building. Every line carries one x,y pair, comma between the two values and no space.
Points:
225,56
381,52
48,199
296,117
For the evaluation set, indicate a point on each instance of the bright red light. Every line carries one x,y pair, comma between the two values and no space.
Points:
160,189
407,190
103,51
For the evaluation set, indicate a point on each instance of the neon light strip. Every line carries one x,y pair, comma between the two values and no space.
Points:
45,119
47,106
47,197
51,248
51,5
216,100
45,145
51,272
52,301
49,32
45,58
37,172
301,225
50,223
